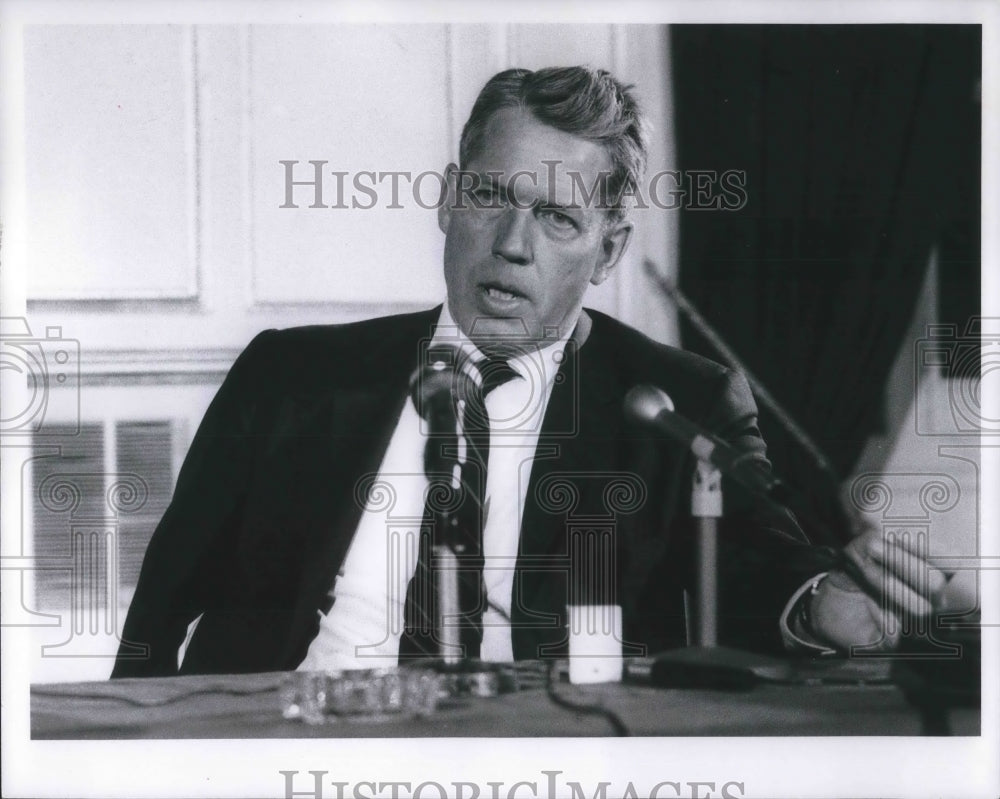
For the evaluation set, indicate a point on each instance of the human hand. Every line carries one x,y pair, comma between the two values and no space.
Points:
880,583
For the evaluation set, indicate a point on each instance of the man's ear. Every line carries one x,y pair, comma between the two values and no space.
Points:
613,245
449,190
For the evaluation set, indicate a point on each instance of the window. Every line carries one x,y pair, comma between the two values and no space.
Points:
97,497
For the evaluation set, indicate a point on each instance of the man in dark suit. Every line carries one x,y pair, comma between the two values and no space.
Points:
276,540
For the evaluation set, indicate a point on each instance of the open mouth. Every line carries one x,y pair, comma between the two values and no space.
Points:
498,292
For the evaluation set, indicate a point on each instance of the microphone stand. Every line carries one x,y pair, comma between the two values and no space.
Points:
703,663
441,462
433,396
445,579
706,507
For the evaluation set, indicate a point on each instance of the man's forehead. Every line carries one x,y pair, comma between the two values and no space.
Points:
515,140
534,161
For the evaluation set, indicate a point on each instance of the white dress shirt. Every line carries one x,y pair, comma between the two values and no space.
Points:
365,623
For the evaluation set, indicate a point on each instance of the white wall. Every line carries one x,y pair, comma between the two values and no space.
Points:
153,182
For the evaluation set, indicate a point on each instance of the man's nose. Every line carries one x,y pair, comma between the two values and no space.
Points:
513,236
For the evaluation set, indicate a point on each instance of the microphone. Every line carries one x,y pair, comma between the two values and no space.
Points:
652,407
437,389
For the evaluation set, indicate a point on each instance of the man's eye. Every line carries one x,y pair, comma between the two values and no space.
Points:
487,197
556,218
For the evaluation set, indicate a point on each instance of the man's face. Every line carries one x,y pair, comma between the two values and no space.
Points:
522,241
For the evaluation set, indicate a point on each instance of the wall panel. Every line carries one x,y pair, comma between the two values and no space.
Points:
110,140
363,99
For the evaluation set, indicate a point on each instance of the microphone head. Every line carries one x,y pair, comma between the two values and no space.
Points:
441,383
643,403
428,386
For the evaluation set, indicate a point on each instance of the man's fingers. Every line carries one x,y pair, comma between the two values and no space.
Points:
960,594
882,585
917,545
904,600
908,565
880,561
888,591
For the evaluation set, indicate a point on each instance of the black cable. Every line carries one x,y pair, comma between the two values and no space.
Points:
595,710
701,324
158,702
550,690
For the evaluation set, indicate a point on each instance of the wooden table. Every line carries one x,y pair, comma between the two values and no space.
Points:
250,706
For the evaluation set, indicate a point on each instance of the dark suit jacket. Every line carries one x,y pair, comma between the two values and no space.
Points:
267,501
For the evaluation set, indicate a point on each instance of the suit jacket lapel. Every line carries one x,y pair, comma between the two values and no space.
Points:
578,448
349,428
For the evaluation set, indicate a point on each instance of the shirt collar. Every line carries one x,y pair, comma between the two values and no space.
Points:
545,360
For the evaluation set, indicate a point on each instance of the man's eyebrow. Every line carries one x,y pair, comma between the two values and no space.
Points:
492,180
556,206
489,179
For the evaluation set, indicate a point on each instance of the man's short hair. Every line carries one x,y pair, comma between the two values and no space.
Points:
589,103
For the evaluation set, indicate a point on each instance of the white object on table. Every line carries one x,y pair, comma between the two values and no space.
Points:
595,643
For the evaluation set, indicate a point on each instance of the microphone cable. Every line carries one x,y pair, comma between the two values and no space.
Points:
552,680
558,699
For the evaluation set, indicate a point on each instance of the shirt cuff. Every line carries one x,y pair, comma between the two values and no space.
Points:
794,622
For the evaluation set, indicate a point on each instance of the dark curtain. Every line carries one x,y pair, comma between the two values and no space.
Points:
861,150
